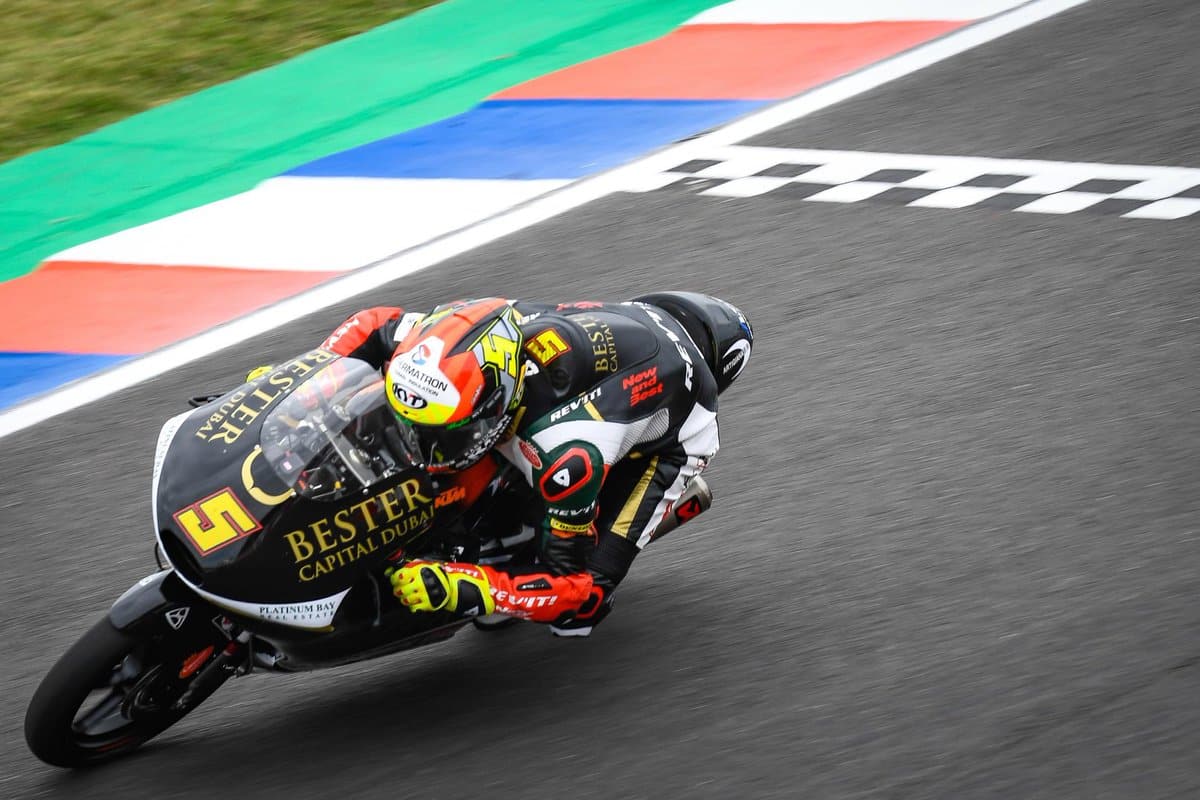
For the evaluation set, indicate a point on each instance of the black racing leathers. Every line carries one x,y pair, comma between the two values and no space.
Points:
619,413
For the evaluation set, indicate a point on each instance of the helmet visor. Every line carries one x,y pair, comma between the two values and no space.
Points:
440,448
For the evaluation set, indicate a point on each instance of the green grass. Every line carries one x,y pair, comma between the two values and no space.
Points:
68,67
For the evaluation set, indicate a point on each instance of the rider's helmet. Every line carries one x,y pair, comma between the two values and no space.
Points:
719,329
454,381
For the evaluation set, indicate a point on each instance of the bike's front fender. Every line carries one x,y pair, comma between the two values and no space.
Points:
160,599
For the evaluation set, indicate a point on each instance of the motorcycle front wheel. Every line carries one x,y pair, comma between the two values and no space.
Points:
105,697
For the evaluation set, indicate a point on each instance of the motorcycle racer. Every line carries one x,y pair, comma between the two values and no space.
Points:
608,411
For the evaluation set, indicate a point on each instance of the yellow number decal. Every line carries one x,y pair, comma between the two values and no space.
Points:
501,351
216,521
547,346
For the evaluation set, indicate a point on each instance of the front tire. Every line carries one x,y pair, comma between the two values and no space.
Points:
104,698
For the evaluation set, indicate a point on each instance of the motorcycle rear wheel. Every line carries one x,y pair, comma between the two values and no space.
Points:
104,698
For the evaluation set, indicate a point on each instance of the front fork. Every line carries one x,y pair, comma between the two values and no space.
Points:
211,649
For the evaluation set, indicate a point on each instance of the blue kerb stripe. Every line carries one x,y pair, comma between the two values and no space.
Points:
529,139
23,375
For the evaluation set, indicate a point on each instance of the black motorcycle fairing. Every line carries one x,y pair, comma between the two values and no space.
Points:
286,492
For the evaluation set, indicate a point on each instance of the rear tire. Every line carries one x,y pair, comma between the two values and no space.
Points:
104,698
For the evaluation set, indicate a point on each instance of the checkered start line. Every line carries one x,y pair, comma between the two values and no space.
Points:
925,181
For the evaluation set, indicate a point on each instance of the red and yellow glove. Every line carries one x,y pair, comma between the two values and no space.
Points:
434,586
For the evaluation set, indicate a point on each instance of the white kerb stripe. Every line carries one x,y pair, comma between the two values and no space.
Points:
311,224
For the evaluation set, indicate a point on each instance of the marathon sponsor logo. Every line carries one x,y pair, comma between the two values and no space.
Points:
420,376
575,404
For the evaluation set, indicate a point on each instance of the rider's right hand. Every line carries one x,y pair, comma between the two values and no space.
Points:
421,585
432,586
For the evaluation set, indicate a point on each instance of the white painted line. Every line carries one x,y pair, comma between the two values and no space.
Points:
740,166
854,164
1055,187
943,178
1062,203
1160,187
850,192
650,181
838,171
1058,180
956,197
130,373
747,187
1171,208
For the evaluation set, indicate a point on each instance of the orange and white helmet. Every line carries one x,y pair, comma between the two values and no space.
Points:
455,380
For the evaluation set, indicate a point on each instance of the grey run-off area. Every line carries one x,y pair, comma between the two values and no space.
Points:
954,550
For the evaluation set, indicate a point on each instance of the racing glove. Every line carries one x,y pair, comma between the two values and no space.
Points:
434,586
258,372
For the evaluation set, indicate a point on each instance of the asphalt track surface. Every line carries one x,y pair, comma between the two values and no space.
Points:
955,546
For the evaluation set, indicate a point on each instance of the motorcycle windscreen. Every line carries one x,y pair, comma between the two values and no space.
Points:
335,434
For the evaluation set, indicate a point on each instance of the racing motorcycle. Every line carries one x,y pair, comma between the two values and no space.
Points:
279,508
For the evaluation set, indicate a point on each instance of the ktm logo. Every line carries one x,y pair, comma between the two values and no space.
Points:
449,496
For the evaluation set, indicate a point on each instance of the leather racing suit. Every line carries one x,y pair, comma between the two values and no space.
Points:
619,414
